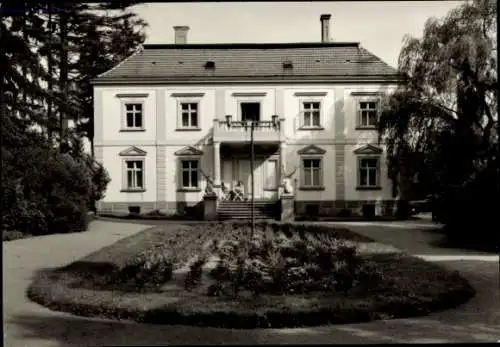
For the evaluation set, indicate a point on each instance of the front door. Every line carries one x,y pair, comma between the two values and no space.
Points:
246,179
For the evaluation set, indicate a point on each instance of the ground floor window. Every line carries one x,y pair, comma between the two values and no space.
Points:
134,174
369,174
189,173
311,172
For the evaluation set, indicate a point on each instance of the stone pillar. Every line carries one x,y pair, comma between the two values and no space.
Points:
282,168
287,208
216,163
282,156
210,207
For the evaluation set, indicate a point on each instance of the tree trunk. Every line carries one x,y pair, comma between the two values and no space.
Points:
63,76
50,85
404,190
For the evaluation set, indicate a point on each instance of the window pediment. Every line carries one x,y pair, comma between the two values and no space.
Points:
132,95
133,151
368,149
311,150
189,151
311,94
187,95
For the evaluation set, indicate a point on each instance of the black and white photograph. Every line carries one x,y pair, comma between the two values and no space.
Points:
249,172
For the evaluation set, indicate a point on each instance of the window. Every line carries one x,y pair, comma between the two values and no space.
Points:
189,174
134,174
189,115
368,172
133,116
250,111
311,114
367,114
311,173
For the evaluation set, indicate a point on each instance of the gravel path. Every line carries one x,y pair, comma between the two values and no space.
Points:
29,324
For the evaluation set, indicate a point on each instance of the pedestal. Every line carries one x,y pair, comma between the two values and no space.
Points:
287,208
210,207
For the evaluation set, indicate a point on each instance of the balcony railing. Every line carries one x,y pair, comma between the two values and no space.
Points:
239,131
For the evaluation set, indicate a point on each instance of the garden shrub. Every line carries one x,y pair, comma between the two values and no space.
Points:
149,270
194,276
47,191
288,262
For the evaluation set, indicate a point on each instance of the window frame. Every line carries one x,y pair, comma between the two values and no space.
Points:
132,99
377,185
249,100
182,187
303,114
125,183
182,101
320,185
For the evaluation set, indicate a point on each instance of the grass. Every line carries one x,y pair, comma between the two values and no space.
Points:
410,286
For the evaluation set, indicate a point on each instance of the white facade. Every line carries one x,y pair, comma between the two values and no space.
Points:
161,143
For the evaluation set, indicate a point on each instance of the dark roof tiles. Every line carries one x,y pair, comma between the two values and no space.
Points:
247,61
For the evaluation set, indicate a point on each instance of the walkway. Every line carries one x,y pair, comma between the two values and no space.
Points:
29,324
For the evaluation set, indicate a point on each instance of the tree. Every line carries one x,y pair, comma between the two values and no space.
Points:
446,110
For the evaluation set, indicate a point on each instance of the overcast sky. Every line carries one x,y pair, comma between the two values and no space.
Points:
378,25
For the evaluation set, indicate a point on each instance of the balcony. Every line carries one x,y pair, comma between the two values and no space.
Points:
238,131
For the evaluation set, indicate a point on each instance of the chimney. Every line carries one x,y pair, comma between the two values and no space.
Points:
325,27
181,35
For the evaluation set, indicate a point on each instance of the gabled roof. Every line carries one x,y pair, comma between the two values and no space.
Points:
249,63
133,151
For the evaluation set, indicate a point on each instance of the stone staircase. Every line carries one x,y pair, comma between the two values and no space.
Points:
263,209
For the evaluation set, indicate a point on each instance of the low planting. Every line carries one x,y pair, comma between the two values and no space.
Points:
218,274
153,215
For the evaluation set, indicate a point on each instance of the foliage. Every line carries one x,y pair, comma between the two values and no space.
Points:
397,285
439,126
78,41
151,268
52,191
12,235
286,264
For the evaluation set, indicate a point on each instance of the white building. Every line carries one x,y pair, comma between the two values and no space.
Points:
169,114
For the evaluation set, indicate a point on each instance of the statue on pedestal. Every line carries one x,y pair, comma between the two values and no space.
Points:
286,181
209,189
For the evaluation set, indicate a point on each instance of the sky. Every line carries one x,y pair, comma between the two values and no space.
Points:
379,26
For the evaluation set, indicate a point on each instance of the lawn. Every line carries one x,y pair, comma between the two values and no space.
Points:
106,283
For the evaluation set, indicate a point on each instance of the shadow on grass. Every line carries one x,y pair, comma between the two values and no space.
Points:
77,331
450,242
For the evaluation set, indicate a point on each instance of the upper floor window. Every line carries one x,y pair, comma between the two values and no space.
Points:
189,114
311,114
133,112
367,114
134,116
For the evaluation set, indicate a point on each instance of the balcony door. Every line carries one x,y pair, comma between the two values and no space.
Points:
250,111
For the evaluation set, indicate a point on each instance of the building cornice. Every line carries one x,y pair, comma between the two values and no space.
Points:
247,80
